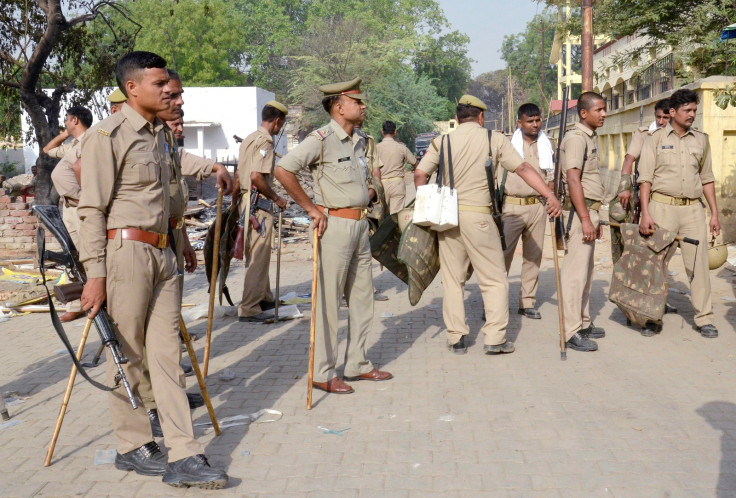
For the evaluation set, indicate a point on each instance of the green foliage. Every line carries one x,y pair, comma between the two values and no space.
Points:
408,100
725,97
9,114
445,60
523,54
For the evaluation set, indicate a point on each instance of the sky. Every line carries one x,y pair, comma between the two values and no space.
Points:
486,22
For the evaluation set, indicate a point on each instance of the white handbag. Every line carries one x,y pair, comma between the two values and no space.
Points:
436,205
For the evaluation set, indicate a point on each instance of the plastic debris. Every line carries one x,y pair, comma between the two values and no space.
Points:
198,245
226,375
288,312
104,457
244,419
245,453
387,314
338,432
201,312
301,220
294,298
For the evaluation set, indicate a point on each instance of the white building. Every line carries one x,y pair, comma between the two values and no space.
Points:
212,116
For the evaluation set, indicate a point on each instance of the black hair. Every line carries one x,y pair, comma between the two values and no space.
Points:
329,102
663,105
389,127
270,113
465,112
529,110
683,96
133,62
586,101
82,114
173,75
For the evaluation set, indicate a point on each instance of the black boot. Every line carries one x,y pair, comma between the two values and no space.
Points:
195,400
146,460
578,342
194,471
593,332
155,423
459,347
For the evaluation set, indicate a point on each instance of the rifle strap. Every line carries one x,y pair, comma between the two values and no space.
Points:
494,191
57,323
502,187
572,206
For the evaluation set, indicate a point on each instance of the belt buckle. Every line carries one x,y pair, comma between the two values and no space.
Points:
363,213
680,201
179,223
163,241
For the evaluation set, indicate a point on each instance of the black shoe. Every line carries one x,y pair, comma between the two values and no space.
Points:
155,423
267,305
669,308
578,342
459,347
651,329
593,332
146,460
506,347
188,369
194,471
530,313
708,331
195,400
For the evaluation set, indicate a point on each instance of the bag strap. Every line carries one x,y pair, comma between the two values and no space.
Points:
449,164
441,165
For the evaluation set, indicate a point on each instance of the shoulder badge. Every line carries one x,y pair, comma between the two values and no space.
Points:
322,133
102,132
110,124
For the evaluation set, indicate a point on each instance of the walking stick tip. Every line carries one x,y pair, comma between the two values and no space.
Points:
563,355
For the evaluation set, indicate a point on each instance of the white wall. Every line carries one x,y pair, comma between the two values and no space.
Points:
228,111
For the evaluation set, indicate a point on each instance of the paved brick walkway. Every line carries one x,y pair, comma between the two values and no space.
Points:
641,417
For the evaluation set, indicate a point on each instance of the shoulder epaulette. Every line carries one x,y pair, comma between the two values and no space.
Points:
110,124
322,133
643,129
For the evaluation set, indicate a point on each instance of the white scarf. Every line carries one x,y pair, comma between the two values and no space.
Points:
544,149
653,127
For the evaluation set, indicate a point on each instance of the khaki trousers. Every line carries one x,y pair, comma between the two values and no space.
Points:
474,241
145,390
527,222
344,270
257,286
577,276
71,222
689,221
395,191
143,298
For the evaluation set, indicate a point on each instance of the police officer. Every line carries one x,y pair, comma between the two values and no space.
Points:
335,156
255,168
675,171
182,164
78,119
124,214
393,155
116,99
476,241
579,163
523,210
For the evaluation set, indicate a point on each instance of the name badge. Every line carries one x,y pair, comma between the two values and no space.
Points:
343,159
668,147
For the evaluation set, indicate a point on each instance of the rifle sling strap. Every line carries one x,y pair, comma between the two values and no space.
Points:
60,329
572,206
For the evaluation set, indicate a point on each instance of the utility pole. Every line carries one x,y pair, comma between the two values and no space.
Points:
587,45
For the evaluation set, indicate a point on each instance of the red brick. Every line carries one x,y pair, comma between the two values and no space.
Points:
23,239
4,213
5,199
27,232
11,220
9,233
24,226
21,212
27,219
18,205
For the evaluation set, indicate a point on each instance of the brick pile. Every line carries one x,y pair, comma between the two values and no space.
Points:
18,227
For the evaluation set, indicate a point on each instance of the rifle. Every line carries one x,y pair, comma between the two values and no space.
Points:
635,204
496,196
559,187
69,257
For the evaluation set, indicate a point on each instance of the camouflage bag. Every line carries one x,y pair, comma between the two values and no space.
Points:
419,251
639,283
617,214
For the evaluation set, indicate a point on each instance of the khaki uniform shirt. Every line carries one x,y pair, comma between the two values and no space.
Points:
256,155
572,153
342,179
637,141
393,155
183,164
674,165
61,150
469,154
63,177
125,173
515,185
